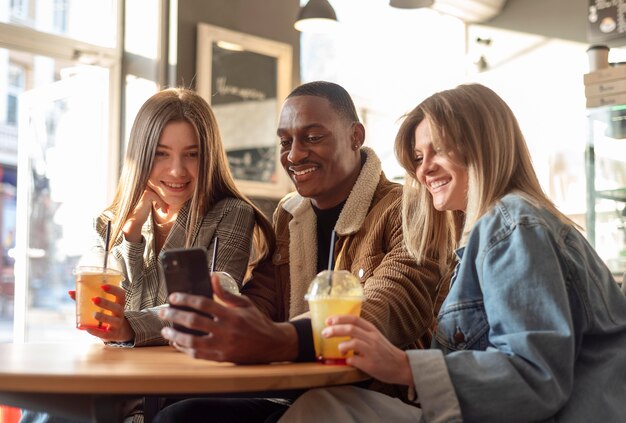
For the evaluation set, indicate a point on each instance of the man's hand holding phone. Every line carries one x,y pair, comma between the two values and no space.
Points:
238,332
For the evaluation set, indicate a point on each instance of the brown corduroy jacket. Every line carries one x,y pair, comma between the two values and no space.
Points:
399,294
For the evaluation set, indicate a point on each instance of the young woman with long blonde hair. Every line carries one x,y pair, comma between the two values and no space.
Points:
534,325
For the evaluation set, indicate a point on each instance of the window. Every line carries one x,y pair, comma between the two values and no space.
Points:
49,101
16,85
19,9
60,13
90,21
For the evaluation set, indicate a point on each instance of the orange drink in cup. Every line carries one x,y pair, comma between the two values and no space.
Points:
332,293
90,275
88,285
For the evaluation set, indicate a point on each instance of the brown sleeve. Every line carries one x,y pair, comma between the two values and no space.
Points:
262,290
263,285
400,295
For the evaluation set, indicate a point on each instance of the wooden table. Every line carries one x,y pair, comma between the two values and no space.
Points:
89,381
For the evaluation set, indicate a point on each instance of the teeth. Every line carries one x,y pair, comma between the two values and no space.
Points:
304,172
174,185
439,183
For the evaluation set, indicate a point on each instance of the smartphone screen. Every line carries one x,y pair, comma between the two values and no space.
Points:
186,270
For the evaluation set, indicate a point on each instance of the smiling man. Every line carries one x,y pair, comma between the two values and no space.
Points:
321,166
339,185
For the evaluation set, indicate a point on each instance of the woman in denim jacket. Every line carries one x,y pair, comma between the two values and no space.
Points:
534,326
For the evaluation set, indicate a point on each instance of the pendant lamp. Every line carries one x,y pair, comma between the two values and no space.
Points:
316,16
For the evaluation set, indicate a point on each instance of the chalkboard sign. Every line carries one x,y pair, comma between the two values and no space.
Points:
245,79
606,20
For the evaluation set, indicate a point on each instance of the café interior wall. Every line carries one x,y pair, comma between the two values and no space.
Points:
562,19
272,19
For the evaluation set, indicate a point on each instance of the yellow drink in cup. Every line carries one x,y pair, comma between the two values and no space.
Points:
327,349
89,280
344,295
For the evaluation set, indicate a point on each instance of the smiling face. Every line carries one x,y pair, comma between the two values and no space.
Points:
175,168
440,172
319,149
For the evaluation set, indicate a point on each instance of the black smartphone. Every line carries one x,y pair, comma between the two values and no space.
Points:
186,270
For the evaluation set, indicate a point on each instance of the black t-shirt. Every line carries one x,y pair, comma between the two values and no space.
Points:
326,220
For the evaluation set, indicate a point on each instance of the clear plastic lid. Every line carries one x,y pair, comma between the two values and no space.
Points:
94,258
227,282
337,283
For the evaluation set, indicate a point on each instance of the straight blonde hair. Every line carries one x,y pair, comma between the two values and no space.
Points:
214,180
475,123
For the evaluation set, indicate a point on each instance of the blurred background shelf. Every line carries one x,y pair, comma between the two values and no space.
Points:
605,171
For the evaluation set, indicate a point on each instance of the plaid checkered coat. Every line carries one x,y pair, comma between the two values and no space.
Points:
232,220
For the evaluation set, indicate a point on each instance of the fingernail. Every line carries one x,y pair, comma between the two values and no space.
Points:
96,300
174,297
166,332
326,333
106,288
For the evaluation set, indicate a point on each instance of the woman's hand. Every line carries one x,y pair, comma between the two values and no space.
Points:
373,353
118,330
148,200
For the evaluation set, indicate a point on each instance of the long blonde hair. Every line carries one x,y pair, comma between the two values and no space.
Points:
214,180
475,123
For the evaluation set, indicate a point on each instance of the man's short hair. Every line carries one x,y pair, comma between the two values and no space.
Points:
336,95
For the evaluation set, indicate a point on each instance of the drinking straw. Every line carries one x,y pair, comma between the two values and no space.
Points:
331,258
331,252
106,244
214,254
107,240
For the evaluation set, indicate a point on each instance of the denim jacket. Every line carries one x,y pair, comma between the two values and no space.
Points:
533,329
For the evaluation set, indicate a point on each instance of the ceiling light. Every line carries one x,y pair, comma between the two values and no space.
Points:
410,4
316,16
